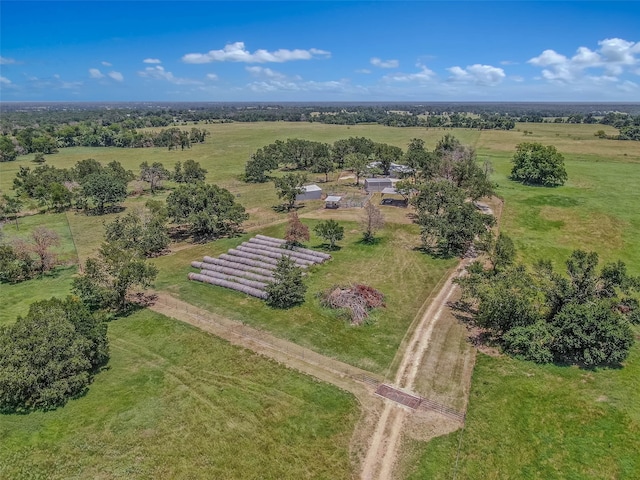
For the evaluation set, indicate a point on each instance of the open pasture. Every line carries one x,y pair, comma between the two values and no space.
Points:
524,421
175,402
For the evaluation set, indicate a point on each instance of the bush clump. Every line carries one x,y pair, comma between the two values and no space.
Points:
356,300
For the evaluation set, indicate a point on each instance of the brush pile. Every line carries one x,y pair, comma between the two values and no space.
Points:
356,300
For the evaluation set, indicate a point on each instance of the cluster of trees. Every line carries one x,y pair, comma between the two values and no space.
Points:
537,164
445,183
88,185
107,279
21,259
143,230
583,317
206,210
356,153
50,355
48,139
631,132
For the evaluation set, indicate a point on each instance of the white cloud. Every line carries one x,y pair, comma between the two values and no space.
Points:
106,64
477,74
159,73
377,62
424,75
289,85
236,52
264,72
613,56
95,73
117,76
151,60
7,61
364,70
628,86
212,76
5,80
508,62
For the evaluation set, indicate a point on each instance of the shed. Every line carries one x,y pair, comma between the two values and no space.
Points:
332,201
377,184
310,192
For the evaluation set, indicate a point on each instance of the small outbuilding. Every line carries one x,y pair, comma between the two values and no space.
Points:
332,201
377,184
310,192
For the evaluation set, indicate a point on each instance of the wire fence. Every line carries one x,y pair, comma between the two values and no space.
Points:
231,329
261,341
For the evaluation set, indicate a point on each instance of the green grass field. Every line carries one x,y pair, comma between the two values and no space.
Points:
404,275
529,422
524,421
175,402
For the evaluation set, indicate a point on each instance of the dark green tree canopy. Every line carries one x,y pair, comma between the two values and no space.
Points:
582,317
144,231
537,164
103,188
109,278
331,231
449,224
50,355
289,186
207,210
190,172
288,288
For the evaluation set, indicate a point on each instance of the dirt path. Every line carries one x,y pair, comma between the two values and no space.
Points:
359,382
350,378
383,449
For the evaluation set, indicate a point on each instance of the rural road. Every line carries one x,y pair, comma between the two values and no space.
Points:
376,438
383,450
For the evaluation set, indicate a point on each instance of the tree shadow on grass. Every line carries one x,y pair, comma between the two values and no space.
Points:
371,242
284,208
327,247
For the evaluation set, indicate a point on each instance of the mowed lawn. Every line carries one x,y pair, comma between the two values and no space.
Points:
393,265
175,402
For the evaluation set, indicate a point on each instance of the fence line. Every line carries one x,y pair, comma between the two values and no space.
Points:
262,338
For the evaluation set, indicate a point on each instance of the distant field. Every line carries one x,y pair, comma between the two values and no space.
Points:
175,402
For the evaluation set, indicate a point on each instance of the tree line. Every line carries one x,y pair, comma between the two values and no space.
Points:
47,140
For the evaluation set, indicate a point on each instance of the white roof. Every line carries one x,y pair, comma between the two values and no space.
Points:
389,190
311,188
378,180
333,198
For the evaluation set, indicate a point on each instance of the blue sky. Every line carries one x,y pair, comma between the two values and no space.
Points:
319,51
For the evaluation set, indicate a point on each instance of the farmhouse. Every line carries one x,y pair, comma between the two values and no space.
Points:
310,192
377,184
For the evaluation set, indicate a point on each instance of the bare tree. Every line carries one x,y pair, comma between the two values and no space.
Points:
43,240
297,232
372,222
